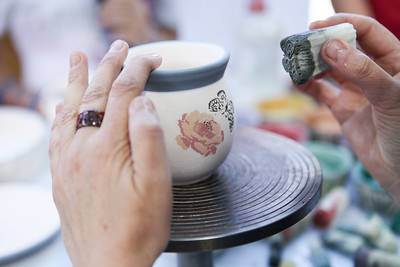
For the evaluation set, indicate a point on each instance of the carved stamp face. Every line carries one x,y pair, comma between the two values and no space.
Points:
200,132
298,60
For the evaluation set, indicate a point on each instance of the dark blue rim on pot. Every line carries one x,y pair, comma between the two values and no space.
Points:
190,78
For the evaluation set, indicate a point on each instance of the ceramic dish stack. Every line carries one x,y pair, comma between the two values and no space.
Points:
295,131
288,108
23,143
336,163
371,195
323,126
29,220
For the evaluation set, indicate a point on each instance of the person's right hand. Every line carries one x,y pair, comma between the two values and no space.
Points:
367,100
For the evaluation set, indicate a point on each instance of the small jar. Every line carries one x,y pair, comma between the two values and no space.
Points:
194,106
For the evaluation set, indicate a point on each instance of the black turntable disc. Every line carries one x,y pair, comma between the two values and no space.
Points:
266,184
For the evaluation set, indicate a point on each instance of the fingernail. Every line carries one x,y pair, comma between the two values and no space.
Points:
117,45
314,23
143,112
333,48
59,107
74,60
137,105
156,56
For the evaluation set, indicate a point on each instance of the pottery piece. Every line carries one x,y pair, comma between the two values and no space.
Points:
371,195
294,131
286,108
366,257
23,144
29,220
336,162
302,59
342,241
194,106
324,126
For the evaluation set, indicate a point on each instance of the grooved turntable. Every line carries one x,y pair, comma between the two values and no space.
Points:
266,184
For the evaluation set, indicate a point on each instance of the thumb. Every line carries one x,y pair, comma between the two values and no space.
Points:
378,86
152,174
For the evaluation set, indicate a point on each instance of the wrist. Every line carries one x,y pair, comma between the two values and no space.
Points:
114,262
111,258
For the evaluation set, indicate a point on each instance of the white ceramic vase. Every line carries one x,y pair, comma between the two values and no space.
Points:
194,106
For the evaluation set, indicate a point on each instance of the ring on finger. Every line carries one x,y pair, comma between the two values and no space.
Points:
89,118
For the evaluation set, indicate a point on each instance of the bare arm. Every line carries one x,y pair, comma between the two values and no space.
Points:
361,7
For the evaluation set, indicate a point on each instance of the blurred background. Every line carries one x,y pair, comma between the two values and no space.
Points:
36,39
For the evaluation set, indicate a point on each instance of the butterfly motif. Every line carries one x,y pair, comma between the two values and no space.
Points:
224,106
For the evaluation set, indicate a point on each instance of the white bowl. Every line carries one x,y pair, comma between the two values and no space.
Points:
23,143
194,105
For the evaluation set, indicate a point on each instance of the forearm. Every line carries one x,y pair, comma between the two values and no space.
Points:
117,258
126,262
361,7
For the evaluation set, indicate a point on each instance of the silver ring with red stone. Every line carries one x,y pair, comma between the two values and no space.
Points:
89,118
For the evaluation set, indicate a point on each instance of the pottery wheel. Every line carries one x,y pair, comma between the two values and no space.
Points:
266,184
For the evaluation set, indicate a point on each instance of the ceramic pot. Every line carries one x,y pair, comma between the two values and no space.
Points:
371,195
336,162
24,144
194,106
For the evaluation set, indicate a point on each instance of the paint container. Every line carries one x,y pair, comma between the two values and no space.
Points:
371,195
297,229
324,126
365,257
396,224
387,241
343,242
336,163
331,207
373,230
287,264
294,131
319,256
276,252
288,108
368,229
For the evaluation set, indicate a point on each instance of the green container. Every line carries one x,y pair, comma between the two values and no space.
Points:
371,195
336,162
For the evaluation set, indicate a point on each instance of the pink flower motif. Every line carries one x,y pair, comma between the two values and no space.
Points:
200,132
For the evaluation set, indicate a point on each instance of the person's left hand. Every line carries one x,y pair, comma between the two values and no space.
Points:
111,185
128,20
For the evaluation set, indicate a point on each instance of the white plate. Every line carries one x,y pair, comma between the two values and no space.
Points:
23,143
28,220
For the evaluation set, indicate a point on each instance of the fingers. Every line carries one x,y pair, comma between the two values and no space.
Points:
342,102
129,84
321,90
77,81
64,125
152,174
95,97
378,86
374,38
65,121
